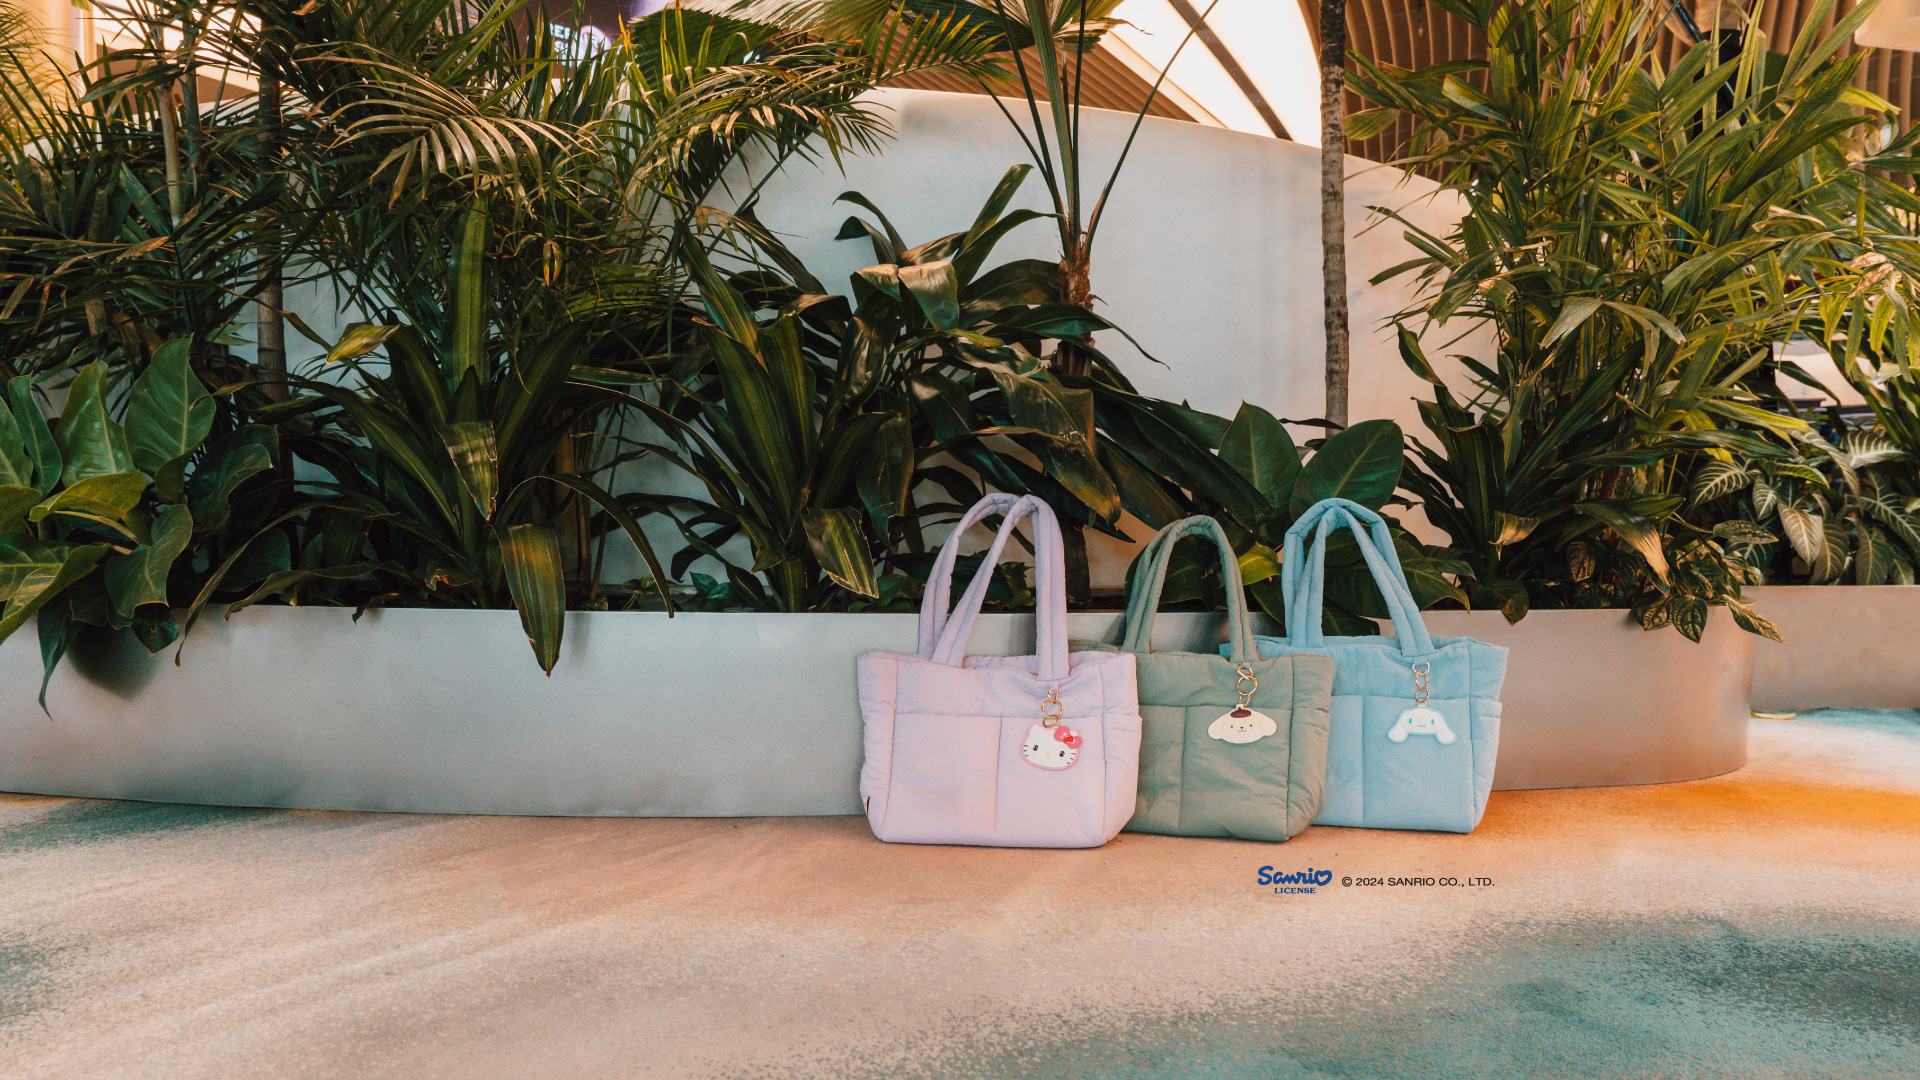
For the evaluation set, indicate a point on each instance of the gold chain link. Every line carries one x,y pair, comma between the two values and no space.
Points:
1051,718
1420,669
1241,687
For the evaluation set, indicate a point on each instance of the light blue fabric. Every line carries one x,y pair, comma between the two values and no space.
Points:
1374,782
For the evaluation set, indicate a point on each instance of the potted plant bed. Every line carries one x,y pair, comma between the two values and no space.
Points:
1845,647
1591,699
442,711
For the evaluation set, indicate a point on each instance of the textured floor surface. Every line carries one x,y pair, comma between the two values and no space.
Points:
1762,924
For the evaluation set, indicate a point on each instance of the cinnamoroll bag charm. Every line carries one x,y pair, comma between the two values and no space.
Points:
1420,719
1049,743
1243,725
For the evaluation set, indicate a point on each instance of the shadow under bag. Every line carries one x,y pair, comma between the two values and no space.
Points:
1415,724
1230,745
1001,751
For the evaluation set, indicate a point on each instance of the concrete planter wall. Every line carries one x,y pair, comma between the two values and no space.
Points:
706,714
1591,699
1846,647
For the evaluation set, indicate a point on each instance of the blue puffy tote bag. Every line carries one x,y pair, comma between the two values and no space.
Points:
1414,725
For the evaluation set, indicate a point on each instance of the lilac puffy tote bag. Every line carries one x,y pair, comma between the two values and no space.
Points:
1000,751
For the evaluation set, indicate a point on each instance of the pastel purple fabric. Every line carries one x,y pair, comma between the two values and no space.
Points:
948,736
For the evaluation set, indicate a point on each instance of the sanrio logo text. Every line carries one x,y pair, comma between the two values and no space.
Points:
1308,877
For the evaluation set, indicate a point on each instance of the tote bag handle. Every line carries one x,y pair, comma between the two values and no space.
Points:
1143,601
1049,586
1303,580
934,606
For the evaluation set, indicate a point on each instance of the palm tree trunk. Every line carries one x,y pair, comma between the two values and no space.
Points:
270,349
1333,216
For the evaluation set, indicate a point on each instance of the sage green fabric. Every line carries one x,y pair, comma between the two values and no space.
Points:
1192,784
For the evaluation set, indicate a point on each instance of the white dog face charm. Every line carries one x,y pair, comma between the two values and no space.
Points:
1055,747
1242,725
1421,720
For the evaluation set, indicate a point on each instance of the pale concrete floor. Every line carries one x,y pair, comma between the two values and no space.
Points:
1761,924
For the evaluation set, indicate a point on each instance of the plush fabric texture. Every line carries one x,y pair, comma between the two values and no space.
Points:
944,731
1192,784
1372,781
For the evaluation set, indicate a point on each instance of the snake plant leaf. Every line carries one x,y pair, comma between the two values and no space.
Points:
15,501
169,412
140,577
91,443
1806,533
1361,463
229,462
834,537
1259,446
530,555
886,472
34,571
1635,529
477,460
36,438
468,302
936,288
109,497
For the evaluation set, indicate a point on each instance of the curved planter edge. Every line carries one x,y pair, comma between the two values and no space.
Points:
1592,700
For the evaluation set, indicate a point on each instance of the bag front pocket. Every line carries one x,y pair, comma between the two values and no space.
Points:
944,776
1050,808
1418,782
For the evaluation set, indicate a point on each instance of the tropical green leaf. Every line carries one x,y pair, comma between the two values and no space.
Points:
1718,479
358,340
91,443
1361,463
936,288
476,459
1639,533
32,572
1259,446
230,461
886,473
140,577
36,438
15,501
169,412
1805,532
1512,528
837,544
110,497
530,555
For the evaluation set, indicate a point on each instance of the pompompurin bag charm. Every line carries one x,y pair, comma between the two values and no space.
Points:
1243,724
1421,720
1051,744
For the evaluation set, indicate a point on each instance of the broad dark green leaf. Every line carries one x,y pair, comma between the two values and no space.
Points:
91,443
15,501
140,577
936,289
16,464
886,473
530,555
469,304
33,572
1259,446
229,462
110,497
1361,463
1636,530
169,412
36,438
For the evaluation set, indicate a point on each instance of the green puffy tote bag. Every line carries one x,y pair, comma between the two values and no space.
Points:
1229,745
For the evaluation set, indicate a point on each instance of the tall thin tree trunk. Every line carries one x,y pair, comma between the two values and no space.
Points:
270,350
1333,210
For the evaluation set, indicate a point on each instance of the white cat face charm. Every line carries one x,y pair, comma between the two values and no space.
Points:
1421,720
1054,748
1243,725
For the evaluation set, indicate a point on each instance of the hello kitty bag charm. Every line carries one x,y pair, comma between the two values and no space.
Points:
1037,751
1051,744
